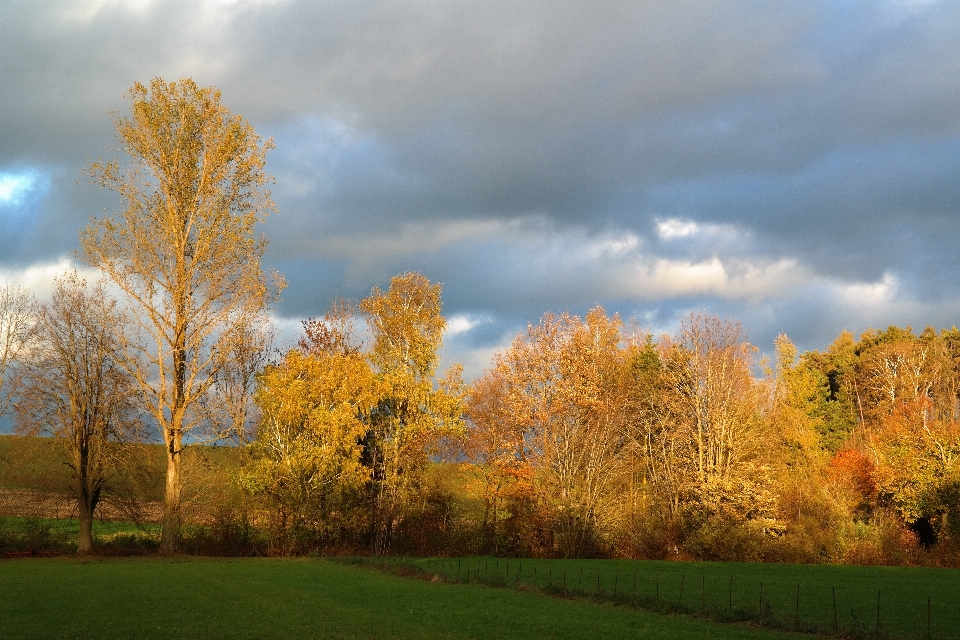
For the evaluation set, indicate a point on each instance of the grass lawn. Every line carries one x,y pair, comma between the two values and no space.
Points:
303,598
722,586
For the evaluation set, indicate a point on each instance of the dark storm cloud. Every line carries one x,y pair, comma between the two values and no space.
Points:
784,162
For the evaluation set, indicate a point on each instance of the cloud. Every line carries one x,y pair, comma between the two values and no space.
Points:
461,323
38,277
792,163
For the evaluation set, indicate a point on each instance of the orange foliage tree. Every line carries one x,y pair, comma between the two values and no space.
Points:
553,409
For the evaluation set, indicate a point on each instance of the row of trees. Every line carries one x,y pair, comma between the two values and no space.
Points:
591,437
625,444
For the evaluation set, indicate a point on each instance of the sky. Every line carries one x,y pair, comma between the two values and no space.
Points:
791,165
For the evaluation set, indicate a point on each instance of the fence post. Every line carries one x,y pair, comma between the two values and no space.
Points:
761,603
703,593
878,613
796,614
682,580
836,626
730,596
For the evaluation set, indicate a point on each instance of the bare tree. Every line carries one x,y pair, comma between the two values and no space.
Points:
184,252
247,350
16,321
75,390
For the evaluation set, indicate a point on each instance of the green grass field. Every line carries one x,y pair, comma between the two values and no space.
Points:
303,598
732,590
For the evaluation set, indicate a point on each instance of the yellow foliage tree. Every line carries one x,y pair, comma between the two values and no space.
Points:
183,251
716,452
306,458
414,410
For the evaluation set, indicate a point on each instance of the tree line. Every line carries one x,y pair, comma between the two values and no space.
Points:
585,437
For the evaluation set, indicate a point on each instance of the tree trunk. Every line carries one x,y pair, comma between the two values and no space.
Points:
170,529
381,539
85,539
87,483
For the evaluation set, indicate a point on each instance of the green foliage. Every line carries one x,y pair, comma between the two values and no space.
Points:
20,534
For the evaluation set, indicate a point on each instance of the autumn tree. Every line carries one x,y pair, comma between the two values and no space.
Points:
495,445
76,390
798,396
184,252
247,351
584,448
656,459
713,454
812,505
306,459
910,427
414,409
562,404
17,316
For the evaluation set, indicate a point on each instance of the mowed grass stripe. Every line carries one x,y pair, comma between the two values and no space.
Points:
304,598
903,590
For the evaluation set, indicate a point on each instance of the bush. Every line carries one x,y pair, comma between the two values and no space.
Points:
717,540
126,543
807,540
32,534
648,537
885,541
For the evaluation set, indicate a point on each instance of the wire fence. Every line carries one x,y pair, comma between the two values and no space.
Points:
832,601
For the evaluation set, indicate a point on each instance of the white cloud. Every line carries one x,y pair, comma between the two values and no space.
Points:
673,228
614,244
740,279
871,294
38,278
459,324
462,323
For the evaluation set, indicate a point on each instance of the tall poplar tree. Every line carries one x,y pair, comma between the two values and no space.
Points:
184,251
